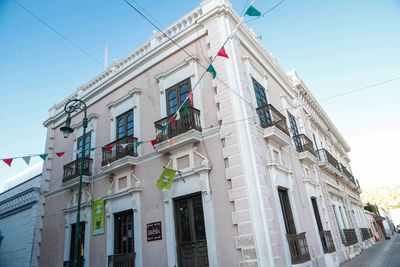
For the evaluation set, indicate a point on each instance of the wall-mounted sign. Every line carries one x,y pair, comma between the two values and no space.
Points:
98,217
154,231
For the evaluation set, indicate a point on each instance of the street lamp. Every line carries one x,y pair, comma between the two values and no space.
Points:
70,107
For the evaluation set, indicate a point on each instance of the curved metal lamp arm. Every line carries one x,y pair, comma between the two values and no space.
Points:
74,105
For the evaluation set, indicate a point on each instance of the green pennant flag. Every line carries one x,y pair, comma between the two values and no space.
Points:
184,108
166,178
138,144
164,127
251,11
93,149
43,156
212,70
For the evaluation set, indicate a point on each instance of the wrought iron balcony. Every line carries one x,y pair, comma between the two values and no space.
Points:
324,155
350,237
119,151
298,248
327,241
72,169
365,233
303,144
347,173
70,263
188,121
122,260
269,117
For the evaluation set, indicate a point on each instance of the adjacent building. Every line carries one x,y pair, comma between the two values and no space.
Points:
18,209
264,175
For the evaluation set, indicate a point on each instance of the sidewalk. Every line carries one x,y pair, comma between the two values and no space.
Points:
383,253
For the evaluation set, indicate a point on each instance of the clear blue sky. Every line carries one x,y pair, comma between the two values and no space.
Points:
335,46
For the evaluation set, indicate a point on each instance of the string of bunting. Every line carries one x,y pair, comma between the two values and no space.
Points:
167,176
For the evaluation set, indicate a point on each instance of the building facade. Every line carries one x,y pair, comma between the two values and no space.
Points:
18,208
264,177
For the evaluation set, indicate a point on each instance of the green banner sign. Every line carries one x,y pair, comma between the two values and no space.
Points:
98,217
166,178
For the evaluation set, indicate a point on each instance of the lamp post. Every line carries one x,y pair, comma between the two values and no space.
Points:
70,107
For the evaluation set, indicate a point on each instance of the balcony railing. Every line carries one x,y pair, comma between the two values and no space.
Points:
298,248
327,241
122,260
365,233
303,144
188,121
70,263
350,237
72,169
323,154
347,173
119,151
269,117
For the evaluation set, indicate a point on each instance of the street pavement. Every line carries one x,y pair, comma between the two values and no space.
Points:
383,253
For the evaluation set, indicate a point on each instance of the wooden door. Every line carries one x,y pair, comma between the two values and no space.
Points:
190,232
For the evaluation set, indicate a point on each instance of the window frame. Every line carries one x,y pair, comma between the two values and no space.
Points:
176,88
262,90
124,116
79,149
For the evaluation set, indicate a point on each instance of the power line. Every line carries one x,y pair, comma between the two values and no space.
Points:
192,57
57,32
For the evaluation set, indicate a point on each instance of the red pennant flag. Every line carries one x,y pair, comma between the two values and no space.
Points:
191,97
109,148
173,120
153,143
60,154
8,161
222,53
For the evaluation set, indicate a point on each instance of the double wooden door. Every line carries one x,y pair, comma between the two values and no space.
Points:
190,232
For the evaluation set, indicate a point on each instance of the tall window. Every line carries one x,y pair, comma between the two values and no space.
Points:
81,243
286,211
260,94
87,146
316,213
125,124
177,94
123,233
293,124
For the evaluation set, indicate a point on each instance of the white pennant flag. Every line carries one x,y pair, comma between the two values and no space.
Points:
27,159
123,145
178,116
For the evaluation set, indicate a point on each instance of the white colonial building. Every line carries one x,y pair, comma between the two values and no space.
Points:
18,209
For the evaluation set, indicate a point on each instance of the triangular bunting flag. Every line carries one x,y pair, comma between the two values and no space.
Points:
8,161
43,156
212,70
222,53
153,143
27,159
191,98
138,144
166,178
60,154
251,11
93,149
178,115
164,127
184,108
173,120
109,148
123,145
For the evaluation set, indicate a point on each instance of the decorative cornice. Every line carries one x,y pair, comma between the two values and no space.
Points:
19,202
